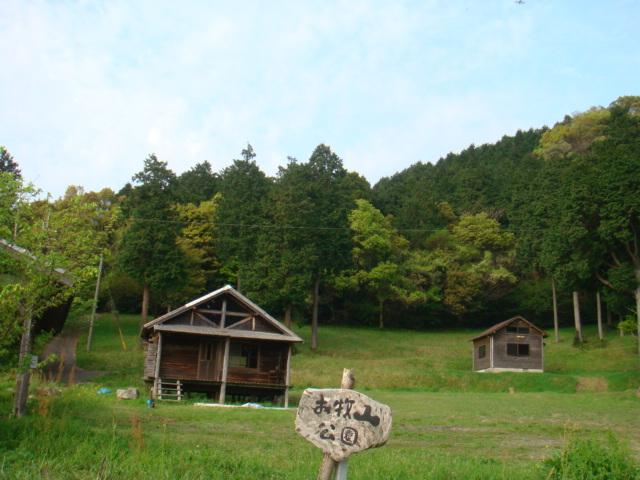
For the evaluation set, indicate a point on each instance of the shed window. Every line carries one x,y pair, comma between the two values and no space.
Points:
514,329
518,349
243,355
482,351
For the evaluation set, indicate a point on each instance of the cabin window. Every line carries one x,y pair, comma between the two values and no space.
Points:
518,349
520,330
243,355
482,351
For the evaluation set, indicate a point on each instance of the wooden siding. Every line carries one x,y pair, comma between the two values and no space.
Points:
481,363
271,367
150,351
183,359
179,358
502,360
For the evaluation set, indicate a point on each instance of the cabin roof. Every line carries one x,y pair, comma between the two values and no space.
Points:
159,324
506,323
59,274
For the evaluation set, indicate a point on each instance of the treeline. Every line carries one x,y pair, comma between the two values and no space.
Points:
474,238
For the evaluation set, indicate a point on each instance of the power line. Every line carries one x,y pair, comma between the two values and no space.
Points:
267,226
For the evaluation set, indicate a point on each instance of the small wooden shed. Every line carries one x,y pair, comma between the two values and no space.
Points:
515,345
222,344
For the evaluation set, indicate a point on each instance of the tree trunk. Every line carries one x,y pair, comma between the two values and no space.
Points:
638,308
314,314
238,282
24,373
599,312
609,316
555,310
381,315
287,316
145,303
576,316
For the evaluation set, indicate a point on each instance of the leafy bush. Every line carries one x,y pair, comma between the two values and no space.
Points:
629,325
588,459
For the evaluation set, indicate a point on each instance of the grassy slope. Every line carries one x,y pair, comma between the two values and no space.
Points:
448,422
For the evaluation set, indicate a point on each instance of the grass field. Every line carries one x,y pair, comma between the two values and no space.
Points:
448,422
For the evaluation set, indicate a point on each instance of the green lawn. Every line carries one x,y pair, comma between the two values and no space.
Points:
448,422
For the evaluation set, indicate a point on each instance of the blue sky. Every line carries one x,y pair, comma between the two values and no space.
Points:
89,89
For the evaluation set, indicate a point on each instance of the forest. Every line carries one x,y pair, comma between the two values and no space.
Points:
543,223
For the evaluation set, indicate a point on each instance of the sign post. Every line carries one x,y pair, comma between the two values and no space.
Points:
341,422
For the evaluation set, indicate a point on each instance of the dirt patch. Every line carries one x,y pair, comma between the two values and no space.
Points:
592,384
63,369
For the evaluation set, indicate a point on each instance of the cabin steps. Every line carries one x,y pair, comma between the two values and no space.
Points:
170,390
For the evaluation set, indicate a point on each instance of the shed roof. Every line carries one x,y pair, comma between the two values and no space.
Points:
506,323
59,274
160,324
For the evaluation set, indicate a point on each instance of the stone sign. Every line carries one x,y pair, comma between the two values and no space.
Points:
342,422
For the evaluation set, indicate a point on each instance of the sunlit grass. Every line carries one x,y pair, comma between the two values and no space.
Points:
448,422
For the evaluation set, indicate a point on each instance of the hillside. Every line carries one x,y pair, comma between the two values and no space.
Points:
448,422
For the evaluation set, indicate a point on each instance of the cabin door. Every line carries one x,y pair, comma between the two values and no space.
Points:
206,360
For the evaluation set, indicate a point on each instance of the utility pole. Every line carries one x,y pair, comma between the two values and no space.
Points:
95,304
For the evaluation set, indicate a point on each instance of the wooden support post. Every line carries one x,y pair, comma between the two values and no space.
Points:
287,378
158,360
491,351
223,315
225,368
23,377
328,465
95,305
599,313
555,310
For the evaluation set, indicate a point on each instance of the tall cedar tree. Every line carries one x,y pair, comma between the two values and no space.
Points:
148,251
241,213
197,184
7,164
312,202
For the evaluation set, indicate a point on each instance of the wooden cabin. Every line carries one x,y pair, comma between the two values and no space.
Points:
222,344
515,345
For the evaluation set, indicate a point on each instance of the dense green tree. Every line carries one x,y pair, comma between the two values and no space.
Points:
241,212
148,250
197,184
310,243
381,257
59,245
487,178
474,259
197,241
615,195
7,163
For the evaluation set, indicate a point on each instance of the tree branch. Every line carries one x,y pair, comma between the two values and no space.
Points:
616,259
635,238
605,281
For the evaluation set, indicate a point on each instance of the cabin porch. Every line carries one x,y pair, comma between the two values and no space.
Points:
221,367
